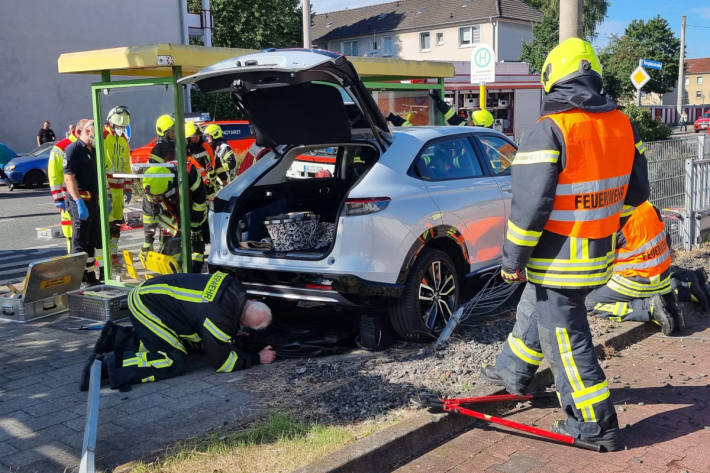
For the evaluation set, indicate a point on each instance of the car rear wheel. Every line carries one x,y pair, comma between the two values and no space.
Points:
34,179
429,297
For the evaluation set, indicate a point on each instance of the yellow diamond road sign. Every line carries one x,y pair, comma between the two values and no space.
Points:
639,77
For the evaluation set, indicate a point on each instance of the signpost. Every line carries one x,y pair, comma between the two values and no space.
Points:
483,68
640,77
650,64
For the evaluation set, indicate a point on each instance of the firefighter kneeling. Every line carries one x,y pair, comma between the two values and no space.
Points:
177,314
161,206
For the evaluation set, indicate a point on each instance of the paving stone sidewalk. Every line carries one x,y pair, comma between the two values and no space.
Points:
660,389
42,412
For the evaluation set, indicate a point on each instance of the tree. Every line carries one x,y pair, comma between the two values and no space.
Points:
257,24
648,128
546,34
641,40
251,24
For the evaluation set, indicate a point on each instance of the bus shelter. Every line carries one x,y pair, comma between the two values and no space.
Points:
145,79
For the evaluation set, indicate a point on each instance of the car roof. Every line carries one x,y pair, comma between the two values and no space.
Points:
426,133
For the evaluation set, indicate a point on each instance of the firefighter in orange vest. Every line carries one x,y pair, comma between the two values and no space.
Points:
640,288
201,156
55,175
576,172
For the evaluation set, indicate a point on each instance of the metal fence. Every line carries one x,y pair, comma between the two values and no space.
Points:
679,176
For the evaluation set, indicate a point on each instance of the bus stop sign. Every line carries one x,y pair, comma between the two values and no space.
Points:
483,64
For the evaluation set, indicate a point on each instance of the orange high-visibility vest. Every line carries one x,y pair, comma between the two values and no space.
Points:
599,151
645,252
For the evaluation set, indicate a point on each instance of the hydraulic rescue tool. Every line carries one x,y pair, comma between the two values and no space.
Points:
456,406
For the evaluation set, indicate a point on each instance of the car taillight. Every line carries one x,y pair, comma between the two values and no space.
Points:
366,206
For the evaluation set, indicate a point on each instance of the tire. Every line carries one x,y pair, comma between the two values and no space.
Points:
33,179
426,305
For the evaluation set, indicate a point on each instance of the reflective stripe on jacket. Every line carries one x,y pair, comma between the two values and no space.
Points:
644,250
55,168
592,187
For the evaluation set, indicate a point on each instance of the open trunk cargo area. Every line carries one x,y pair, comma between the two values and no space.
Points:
275,194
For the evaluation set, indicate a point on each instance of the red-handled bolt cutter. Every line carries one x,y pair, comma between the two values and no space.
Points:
456,406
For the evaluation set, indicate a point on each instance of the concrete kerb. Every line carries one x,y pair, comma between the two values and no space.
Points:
394,446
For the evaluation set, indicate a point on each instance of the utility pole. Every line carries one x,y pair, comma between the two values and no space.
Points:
570,19
681,72
306,24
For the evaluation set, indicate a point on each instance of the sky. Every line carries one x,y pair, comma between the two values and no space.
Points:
619,15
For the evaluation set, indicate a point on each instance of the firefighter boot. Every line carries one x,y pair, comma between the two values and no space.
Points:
90,277
489,373
609,439
671,301
700,290
107,340
86,373
661,316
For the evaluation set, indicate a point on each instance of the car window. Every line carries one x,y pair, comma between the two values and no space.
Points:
499,152
450,159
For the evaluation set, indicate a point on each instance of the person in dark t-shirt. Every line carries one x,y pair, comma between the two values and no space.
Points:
45,134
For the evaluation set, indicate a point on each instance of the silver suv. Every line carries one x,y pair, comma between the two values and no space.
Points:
412,211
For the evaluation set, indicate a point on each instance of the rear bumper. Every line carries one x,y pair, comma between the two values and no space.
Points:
347,290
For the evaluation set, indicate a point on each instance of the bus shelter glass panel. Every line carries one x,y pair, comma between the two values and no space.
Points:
415,104
142,191
498,102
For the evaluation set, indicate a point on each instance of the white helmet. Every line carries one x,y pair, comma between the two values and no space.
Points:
119,116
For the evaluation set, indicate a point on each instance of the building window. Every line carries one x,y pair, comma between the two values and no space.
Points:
424,41
350,48
439,39
699,80
374,46
698,94
687,81
469,35
387,46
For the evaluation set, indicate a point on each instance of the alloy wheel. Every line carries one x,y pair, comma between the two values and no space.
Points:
437,295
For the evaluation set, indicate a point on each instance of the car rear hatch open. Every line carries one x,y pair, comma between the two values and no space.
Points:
295,96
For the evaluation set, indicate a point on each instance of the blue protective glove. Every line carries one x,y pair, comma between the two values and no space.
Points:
61,205
110,202
127,194
81,209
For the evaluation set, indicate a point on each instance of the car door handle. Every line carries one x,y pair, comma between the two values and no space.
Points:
507,188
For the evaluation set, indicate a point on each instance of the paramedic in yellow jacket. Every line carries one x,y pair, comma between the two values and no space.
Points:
118,161
55,175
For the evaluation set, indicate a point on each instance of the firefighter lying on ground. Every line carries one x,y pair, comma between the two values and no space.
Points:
161,213
175,315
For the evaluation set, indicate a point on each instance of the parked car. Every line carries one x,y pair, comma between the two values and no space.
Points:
29,169
702,123
407,214
235,132
6,154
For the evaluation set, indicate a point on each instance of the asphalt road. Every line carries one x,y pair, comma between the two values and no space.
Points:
21,211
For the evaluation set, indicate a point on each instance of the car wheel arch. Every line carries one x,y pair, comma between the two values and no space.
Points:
442,237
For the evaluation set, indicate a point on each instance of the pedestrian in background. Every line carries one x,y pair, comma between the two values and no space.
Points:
45,134
70,131
684,121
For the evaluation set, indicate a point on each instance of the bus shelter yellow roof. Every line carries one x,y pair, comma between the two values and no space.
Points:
157,60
